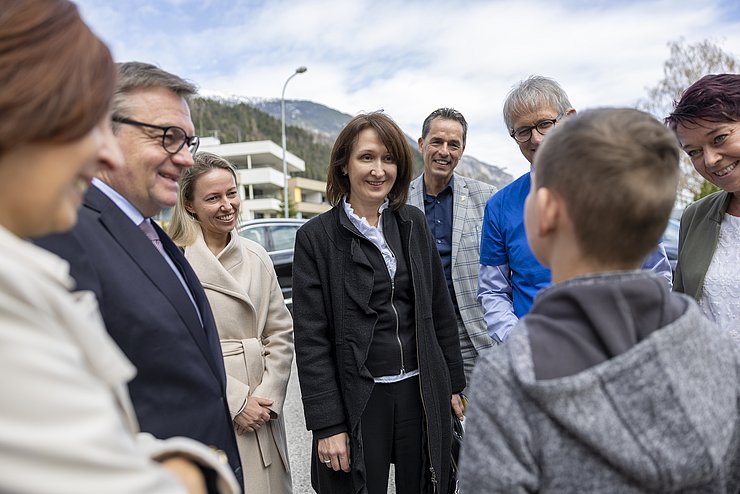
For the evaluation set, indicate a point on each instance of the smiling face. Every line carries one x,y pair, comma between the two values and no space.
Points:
58,175
215,203
149,179
529,119
441,150
714,150
371,171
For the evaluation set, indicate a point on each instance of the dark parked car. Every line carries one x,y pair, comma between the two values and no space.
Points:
277,236
670,242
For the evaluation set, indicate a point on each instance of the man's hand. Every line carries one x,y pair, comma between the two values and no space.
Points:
457,406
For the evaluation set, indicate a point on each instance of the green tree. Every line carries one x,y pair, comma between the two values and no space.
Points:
705,189
292,208
687,64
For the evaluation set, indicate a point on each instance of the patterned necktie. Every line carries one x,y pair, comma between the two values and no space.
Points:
151,234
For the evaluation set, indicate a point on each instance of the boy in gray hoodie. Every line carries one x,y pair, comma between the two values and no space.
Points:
611,383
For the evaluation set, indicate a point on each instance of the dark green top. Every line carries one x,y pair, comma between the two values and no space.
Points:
697,241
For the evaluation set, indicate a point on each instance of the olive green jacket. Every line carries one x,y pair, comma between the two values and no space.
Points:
697,240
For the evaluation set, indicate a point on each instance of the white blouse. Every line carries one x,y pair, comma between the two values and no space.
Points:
720,299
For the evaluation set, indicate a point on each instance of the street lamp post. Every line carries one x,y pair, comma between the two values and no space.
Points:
299,70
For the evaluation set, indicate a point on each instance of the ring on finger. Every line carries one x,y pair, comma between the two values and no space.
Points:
327,461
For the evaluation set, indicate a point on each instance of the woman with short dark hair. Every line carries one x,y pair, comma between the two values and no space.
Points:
707,123
375,332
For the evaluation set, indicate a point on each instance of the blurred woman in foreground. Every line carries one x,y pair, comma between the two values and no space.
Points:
66,421
254,326
377,349
707,123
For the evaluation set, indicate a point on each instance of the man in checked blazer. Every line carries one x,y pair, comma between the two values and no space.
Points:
151,300
454,206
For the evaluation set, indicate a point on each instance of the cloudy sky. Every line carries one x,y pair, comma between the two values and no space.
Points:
410,57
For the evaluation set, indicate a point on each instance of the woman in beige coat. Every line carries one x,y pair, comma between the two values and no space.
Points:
255,327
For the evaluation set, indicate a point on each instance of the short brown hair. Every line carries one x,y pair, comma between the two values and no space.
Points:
139,75
183,227
617,171
337,183
56,76
445,114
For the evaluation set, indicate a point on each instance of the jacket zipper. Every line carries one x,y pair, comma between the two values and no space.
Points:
435,481
395,311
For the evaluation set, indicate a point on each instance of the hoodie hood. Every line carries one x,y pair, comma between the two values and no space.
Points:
584,321
662,412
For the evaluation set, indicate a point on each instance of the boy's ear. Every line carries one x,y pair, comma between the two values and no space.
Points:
548,210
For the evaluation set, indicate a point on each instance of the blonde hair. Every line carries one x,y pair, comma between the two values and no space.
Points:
184,227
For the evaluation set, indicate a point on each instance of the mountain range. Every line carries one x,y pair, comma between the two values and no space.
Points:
311,129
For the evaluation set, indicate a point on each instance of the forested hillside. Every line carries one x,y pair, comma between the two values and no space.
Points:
310,139
235,122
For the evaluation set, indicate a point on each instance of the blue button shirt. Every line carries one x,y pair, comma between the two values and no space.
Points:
438,211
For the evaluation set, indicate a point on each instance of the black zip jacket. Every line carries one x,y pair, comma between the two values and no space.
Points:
333,328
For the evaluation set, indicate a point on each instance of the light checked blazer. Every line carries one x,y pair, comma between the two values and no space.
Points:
469,201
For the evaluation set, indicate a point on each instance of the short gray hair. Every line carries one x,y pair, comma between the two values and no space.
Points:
137,75
530,95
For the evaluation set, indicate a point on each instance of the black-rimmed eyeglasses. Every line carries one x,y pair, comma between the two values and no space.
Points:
524,134
173,138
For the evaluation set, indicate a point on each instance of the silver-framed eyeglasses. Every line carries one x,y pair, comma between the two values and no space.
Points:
524,134
173,138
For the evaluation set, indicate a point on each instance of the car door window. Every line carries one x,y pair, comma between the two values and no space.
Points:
255,234
283,237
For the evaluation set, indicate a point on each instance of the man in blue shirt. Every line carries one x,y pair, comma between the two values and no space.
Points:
510,276
453,205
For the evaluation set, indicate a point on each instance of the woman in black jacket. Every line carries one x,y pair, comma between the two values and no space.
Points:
375,333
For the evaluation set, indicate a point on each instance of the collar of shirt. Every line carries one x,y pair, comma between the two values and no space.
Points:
428,198
120,201
373,234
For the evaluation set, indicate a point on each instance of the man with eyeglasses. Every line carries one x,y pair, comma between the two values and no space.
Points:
510,276
152,302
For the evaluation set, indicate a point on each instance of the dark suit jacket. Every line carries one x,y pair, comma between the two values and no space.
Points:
180,386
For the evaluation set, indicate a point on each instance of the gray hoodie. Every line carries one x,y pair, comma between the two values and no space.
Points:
659,414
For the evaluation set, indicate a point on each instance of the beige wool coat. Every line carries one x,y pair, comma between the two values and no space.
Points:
66,419
256,333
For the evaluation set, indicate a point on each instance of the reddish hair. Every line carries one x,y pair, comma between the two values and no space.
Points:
56,77
714,97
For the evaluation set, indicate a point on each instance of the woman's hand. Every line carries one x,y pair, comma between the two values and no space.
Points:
334,452
457,406
255,414
187,473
